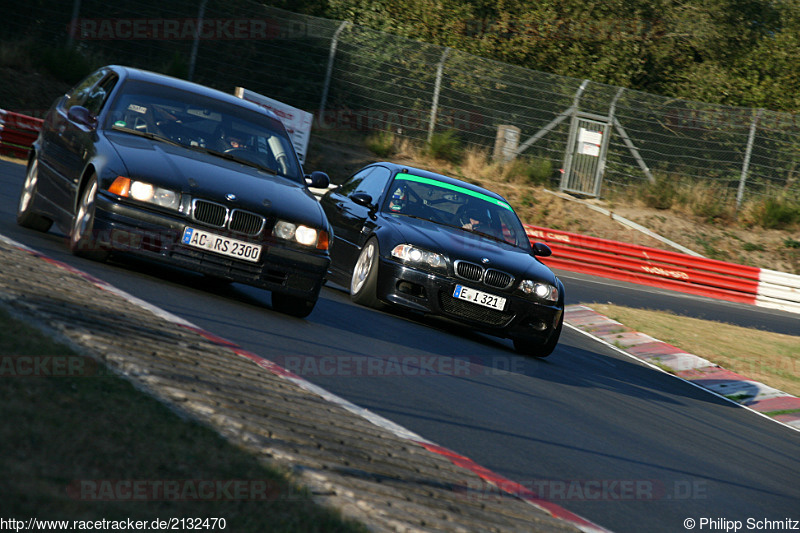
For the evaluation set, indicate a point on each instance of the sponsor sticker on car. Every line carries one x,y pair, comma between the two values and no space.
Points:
220,244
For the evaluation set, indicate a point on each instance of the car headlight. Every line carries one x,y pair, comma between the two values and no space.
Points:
411,254
145,192
544,291
305,235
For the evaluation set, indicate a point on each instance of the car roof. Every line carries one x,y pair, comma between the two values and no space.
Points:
131,73
395,167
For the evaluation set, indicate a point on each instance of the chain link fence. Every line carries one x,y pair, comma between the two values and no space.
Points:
357,80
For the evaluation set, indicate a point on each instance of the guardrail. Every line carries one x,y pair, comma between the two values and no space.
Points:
17,133
669,270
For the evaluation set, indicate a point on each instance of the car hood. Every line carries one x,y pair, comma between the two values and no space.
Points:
466,246
207,176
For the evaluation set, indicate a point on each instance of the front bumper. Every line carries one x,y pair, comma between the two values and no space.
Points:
280,268
430,293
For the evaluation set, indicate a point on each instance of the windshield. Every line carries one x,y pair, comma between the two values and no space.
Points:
452,205
203,123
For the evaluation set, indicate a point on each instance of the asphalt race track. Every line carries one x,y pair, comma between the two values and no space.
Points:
625,446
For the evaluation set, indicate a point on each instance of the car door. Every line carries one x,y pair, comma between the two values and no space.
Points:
350,220
72,143
53,155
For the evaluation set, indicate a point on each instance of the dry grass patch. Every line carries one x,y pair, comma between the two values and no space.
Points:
770,358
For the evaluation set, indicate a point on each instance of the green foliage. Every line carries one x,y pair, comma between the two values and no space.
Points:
776,213
711,204
737,52
66,64
445,146
381,144
15,55
791,243
529,199
534,171
752,247
177,66
661,194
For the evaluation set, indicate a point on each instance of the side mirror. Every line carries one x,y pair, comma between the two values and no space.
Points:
540,249
362,199
80,115
318,180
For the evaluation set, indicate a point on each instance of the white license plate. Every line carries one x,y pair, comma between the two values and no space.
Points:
479,297
212,242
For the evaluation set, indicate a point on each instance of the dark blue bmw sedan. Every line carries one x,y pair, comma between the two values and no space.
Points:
136,162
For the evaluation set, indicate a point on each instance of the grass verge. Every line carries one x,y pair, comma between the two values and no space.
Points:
79,443
770,358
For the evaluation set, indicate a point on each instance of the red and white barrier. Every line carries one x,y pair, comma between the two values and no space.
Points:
669,270
17,133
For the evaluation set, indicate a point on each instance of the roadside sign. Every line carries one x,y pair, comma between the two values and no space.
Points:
297,122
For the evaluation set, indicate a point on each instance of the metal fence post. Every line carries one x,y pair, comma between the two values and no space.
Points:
436,88
329,71
73,23
567,165
196,43
746,165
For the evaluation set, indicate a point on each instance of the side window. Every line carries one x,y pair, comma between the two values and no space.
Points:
81,92
99,94
375,182
351,185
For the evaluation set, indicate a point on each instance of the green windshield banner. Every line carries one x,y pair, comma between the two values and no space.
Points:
456,188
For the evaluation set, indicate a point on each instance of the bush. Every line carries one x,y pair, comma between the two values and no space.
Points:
15,55
711,203
445,146
65,64
533,171
661,194
381,144
778,213
177,66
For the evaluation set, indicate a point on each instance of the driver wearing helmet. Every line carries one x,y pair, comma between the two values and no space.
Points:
235,143
476,219
399,199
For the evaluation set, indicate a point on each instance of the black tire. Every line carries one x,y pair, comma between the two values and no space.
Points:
535,349
364,281
82,239
292,305
25,216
